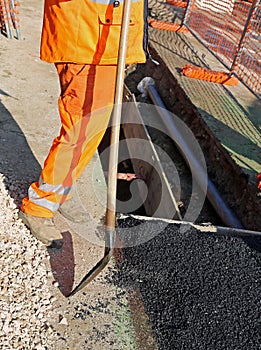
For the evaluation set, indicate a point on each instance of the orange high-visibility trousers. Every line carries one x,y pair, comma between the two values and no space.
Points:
85,105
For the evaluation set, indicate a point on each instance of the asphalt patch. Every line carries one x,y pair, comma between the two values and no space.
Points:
200,291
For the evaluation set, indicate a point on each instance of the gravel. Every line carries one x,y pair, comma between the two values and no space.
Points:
25,301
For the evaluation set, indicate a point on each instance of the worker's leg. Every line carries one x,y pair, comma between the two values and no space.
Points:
85,104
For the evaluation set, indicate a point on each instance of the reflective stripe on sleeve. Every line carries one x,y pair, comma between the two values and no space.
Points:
57,189
35,198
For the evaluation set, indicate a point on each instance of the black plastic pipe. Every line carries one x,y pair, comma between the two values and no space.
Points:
147,85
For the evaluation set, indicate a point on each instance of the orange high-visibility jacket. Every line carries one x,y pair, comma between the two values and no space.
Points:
88,31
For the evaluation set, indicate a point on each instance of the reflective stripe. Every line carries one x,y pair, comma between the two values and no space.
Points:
52,191
58,189
33,196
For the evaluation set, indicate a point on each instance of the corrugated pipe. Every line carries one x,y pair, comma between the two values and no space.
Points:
147,85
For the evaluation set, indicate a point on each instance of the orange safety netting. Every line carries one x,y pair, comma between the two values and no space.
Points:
209,75
230,29
9,18
177,3
173,27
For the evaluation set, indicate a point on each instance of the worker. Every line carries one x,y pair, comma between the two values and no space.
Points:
81,38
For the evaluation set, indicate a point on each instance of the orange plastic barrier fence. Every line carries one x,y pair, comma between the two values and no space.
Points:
9,20
173,27
209,75
177,3
231,30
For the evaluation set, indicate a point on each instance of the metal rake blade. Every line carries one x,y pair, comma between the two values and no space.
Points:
108,252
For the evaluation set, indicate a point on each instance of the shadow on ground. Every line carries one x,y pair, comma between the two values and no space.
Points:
62,264
246,152
17,162
20,168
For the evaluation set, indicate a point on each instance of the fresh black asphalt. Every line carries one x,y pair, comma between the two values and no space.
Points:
200,291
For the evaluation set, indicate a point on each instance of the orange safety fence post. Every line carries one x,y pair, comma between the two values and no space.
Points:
178,3
1,13
15,18
209,75
4,19
8,17
173,27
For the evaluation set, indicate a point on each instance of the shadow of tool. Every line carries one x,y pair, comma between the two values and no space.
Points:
62,264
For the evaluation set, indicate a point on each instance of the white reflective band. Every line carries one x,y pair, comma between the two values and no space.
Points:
34,197
59,189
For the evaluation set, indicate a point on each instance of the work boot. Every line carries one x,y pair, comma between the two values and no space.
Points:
73,210
43,229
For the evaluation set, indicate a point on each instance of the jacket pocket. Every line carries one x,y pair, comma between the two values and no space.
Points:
109,35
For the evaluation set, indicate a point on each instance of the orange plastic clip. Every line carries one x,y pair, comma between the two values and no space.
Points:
209,75
173,27
177,3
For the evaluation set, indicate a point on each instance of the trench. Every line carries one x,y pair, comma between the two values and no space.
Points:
187,286
233,184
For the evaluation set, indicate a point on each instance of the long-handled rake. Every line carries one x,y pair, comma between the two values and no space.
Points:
113,155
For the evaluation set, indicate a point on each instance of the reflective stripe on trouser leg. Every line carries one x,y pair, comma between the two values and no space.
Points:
85,104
